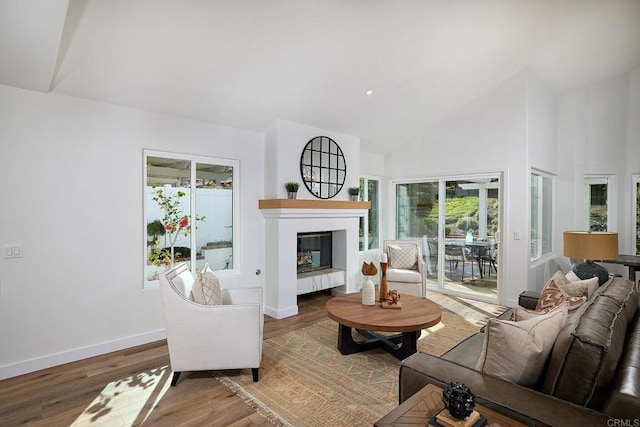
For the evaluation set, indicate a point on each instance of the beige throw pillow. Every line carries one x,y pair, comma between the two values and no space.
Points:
572,277
552,296
592,284
404,257
206,288
518,351
521,313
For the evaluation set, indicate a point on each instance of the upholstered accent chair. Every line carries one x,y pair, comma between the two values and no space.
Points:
211,337
406,271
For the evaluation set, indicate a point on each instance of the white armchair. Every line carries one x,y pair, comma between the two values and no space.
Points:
406,271
211,337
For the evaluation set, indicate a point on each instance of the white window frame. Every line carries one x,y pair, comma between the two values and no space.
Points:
365,197
541,256
635,180
610,180
235,164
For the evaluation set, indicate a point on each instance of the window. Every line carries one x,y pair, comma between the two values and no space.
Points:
370,224
189,212
636,209
597,203
417,210
541,214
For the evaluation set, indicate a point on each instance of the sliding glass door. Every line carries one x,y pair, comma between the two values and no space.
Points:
471,217
458,222
417,219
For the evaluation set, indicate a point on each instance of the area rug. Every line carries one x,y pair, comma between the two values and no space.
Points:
305,381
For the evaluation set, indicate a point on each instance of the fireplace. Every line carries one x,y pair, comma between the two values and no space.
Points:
284,220
314,251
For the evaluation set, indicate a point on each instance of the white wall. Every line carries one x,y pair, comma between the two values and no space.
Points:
371,164
488,134
542,117
285,141
72,194
542,152
632,151
599,134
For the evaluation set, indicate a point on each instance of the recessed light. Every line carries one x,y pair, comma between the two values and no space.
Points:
369,92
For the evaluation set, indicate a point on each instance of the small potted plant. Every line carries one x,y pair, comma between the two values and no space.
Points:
353,193
292,189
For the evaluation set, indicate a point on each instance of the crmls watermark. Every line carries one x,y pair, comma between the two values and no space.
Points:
623,422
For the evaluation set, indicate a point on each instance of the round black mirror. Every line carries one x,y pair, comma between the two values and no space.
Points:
322,167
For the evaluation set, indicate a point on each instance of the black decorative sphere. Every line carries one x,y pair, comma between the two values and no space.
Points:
459,400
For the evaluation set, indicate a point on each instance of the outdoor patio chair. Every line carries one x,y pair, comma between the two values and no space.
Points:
430,245
454,254
489,259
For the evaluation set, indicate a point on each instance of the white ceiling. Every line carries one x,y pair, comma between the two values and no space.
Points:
245,63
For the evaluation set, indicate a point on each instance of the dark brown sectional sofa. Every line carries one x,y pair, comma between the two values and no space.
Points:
592,377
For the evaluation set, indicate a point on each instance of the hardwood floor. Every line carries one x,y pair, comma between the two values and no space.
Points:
131,388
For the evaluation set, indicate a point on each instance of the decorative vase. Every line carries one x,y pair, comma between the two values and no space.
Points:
368,292
353,197
292,194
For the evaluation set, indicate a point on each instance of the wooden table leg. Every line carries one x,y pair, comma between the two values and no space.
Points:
347,345
401,345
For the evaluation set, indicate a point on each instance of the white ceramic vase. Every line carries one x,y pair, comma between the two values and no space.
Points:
368,292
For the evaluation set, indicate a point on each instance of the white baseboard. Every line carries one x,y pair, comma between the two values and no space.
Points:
55,359
281,314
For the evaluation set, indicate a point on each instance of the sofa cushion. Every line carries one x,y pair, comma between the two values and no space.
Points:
587,351
403,256
624,395
518,351
467,352
409,276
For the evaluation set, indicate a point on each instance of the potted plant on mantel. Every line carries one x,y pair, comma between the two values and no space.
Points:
292,189
353,193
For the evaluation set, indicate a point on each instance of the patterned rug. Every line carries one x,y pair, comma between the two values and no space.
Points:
305,381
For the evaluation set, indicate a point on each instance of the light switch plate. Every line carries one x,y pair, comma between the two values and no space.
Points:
13,251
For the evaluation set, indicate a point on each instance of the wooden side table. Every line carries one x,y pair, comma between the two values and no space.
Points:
425,404
631,261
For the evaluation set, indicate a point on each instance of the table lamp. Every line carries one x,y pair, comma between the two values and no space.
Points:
590,246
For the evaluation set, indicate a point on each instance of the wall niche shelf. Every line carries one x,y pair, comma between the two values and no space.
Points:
311,204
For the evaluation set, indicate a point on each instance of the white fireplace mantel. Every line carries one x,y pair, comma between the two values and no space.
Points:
284,219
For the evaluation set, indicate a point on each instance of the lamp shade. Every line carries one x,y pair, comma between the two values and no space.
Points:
590,245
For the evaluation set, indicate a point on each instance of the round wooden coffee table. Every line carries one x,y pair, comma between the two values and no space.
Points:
416,314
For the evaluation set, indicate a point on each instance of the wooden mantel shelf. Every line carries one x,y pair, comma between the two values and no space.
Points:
311,204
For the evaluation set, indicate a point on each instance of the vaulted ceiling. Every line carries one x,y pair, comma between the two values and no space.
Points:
245,63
